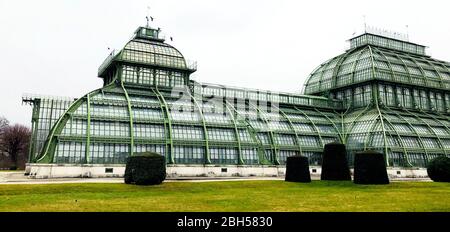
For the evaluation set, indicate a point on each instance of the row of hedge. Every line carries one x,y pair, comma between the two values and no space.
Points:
369,167
149,168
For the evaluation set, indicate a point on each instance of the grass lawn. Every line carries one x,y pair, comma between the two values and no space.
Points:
260,195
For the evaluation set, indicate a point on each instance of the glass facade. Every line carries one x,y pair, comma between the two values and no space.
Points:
381,94
395,96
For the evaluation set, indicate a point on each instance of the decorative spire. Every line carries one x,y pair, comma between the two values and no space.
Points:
148,16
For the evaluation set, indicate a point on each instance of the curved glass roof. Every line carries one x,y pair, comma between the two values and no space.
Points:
111,123
152,53
408,138
368,62
147,48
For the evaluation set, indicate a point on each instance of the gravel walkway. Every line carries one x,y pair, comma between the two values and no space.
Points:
19,178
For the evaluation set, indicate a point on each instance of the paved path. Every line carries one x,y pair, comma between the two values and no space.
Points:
19,178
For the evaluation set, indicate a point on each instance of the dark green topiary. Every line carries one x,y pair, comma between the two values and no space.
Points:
439,169
128,177
145,168
370,168
334,163
297,169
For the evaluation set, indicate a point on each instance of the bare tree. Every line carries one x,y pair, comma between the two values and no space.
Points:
3,123
14,141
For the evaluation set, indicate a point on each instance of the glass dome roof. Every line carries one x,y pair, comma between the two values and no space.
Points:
147,48
368,61
152,53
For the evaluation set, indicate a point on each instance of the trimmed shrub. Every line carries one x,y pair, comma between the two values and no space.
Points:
439,169
145,168
297,169
370,168
334,163
128,177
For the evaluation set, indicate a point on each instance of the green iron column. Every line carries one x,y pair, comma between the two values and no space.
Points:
405,152
332,123
130,114
353,123
431,129
338,66
355,63
271,134
35,125
323,72
421,70
240,157
88,129
415,132
376,100
375,87
293,129
313,124
406,67
441,123
205,131
168,121
253,134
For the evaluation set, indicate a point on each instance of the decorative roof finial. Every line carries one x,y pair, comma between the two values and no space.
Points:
407,33
365,25
148,16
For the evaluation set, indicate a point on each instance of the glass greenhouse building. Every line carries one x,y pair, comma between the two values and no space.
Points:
383,93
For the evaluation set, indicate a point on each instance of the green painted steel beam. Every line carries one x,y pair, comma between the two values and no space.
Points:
293,129
35,125
356,62
376,100
240,156
405,151
405,66
332,123
420,68
440,122
47,154
205,131
338,66
347,132
271,133
375,87
415,132
130,113
371,132
389,65
165,109
323,72
88,130
313,124
430,128
253,134
51,113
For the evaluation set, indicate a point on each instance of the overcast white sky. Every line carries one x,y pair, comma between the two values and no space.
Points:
54,47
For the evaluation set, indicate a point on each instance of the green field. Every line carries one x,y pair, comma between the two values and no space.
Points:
262,195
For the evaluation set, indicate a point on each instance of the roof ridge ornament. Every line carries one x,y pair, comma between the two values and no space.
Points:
387,33
148,16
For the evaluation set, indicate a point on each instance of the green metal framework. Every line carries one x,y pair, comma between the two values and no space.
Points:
383,94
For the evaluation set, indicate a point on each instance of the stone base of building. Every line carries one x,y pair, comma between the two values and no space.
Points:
44,171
